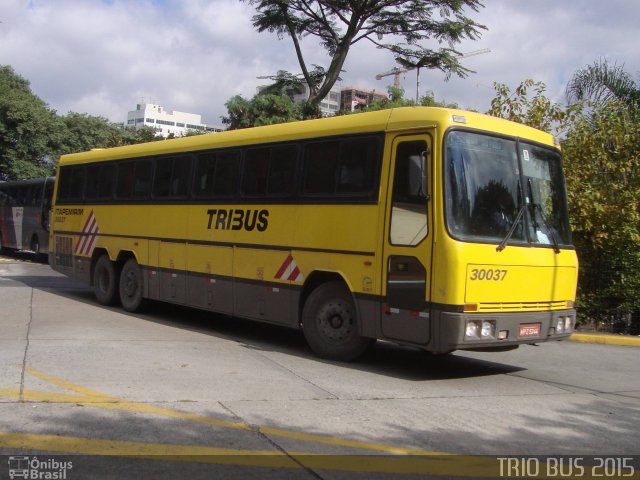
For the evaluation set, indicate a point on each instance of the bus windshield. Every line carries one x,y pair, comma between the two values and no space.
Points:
489,182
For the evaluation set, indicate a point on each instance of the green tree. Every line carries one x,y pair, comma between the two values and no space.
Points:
601,83
262,109
29,130
84,132
534,110
396,99
602,165
341,24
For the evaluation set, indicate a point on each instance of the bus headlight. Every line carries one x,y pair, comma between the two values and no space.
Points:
568,324
473,329
488,329
560,325
480,329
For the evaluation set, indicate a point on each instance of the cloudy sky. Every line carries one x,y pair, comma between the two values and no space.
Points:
103,56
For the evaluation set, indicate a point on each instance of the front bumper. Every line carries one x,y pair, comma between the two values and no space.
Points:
509,329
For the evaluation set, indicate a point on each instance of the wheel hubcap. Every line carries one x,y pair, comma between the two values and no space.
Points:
130,284
335,322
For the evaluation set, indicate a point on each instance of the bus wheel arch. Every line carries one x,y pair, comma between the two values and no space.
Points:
330,321
313,281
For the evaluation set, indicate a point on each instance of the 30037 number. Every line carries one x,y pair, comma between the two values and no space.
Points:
490,274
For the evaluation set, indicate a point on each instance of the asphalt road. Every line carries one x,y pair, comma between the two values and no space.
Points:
177,393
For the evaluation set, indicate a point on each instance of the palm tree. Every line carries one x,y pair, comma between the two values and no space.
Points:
601,83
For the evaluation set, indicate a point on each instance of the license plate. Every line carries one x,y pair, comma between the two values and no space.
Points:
529,330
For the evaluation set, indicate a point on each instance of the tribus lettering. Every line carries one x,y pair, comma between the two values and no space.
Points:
222,219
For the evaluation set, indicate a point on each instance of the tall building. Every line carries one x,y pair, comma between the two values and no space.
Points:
352,98
345,99
167,122
329,105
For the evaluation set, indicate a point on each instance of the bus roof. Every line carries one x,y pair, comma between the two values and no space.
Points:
405,118
22,183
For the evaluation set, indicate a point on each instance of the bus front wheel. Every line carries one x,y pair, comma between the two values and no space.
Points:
105,281
131,286
329,323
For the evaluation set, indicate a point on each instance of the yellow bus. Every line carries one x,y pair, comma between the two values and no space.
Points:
435,228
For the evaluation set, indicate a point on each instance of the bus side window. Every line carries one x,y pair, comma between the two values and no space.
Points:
256,171
347,168
77,183
142,179
64,184
320,164
107,181
93,182
124,184
282,170
180,176
357,166
172,176
217,174
205,175
99,184
227,175
162,181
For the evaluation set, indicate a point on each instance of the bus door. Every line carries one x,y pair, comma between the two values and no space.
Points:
408,241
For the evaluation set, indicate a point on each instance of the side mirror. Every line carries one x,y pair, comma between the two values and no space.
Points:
417,178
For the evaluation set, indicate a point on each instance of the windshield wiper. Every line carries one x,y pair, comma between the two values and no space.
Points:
503,244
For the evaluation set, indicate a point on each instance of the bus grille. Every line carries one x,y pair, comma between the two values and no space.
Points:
64,251
521,306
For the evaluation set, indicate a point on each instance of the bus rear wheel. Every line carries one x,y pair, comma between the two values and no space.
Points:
105,281
329,323
131,286
35,248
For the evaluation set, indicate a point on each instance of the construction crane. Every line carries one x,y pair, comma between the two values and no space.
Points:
396,71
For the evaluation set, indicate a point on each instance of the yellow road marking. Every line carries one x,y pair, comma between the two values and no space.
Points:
310,437
87,392
92,446
92,398
412,461
464,466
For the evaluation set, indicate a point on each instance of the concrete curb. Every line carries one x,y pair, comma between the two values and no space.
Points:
605,339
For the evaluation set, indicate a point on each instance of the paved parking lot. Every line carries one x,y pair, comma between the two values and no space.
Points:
177,392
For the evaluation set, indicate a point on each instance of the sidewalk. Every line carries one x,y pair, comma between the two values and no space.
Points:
607,339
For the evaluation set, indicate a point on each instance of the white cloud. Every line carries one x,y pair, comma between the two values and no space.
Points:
102,57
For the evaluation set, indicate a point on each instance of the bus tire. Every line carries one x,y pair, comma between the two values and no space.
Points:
105,285
329,323
35,248
131,286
